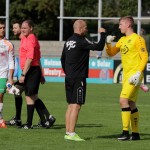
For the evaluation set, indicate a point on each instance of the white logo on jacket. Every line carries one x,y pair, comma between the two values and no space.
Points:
70,44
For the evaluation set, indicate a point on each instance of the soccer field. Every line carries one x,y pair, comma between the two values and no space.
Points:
99,121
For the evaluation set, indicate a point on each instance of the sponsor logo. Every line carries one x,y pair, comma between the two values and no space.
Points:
124,50
53,72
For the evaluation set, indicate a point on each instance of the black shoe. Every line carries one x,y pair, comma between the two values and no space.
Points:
49,123
124,136
14,122
135,136
40,125
26,126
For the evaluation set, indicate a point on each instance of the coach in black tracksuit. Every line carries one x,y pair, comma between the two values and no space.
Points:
75,63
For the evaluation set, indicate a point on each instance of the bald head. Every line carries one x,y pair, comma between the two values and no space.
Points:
78,24
80,27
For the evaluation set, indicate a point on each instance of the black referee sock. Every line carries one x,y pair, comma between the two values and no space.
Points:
39,111
30,112
18,105
43,108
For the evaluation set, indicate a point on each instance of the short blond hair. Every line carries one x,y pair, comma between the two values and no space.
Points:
129,19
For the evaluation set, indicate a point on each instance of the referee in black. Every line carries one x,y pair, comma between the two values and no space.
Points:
75,63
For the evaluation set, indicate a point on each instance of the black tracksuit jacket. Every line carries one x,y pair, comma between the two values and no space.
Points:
75,55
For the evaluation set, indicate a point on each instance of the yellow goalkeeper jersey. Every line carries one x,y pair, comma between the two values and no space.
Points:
133,52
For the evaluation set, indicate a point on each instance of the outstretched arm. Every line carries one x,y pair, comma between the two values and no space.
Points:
96,46
111,51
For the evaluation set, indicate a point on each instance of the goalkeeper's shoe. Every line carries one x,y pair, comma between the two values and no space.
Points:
49,123
124,136
73,137
3,124
14,122
135,136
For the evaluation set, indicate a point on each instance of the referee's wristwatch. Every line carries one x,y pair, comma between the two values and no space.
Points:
23,75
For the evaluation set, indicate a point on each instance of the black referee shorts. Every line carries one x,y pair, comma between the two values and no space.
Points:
75,90
32,81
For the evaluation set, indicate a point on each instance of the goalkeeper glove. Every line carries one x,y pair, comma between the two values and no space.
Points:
134,79
110,38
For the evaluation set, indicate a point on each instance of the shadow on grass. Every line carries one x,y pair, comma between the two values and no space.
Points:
61,126
115,136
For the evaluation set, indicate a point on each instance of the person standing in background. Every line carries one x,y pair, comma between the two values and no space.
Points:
32,76
7,64
16,120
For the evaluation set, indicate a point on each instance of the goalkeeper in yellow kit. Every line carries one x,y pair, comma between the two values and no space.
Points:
134,57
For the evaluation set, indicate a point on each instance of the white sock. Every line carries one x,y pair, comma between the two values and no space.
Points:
1,109
1,120
72,133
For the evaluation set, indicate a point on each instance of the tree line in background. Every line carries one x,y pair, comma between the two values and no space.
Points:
44,14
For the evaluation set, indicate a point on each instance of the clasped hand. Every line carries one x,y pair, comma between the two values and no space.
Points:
110,38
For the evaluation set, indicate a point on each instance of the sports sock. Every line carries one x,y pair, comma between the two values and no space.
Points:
134,120
42,107
30,112
71,133
18,104
126,113
39,111
1,110
1,120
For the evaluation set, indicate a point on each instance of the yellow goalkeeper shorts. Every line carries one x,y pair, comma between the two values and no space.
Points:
130,91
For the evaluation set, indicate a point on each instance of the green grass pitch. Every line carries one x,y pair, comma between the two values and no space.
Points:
99,121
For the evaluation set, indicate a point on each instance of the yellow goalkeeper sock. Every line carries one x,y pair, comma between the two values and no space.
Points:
126,114
134,120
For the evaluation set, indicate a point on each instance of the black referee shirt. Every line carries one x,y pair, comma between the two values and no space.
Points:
75,55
